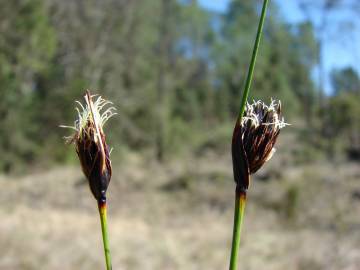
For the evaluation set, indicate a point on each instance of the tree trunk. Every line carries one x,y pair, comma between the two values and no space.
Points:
163,58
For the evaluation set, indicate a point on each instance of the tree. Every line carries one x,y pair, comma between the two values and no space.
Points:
284,61
27,46
345,80
328,28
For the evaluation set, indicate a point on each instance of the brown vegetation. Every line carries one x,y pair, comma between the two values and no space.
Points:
179,216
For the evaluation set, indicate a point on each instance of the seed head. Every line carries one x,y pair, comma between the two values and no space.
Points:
90,143
254,139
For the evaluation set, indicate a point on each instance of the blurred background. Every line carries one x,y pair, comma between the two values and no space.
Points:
175,70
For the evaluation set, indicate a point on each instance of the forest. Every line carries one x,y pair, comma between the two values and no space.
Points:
173,69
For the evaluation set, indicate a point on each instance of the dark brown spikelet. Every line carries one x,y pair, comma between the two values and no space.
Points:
90,144
95,162
254,139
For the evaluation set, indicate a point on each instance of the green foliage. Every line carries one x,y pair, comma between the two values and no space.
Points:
345,80
173,70
27,45
283,64
343,122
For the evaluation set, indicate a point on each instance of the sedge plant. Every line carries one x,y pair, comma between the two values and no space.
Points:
256,130
94,154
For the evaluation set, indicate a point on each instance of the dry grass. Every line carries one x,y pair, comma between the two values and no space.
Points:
179,216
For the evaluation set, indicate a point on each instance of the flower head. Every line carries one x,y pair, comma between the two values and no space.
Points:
254,139
90,143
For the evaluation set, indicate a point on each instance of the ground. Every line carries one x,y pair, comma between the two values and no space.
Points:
179,215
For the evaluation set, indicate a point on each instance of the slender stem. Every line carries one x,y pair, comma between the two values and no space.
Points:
104,230
240,194
253,60
240,201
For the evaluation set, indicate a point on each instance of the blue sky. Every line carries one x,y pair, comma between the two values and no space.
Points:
340,52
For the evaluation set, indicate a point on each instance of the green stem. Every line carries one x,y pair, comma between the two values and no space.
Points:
240,194
105,236
253,60
240,201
